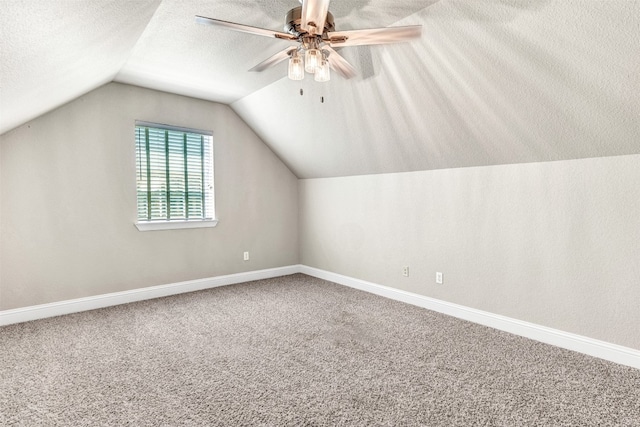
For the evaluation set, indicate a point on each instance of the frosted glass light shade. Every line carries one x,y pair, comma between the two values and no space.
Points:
296,68
323,73
312,58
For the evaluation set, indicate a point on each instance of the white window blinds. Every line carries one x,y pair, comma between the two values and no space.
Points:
174,173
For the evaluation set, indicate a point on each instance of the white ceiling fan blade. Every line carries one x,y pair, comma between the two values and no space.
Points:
314,14
243,28
273,60
374,36
339,64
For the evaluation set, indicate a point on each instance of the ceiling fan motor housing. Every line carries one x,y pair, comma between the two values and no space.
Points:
293,20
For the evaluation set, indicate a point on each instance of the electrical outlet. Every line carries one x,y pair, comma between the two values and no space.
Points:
405,271
246,256
439,278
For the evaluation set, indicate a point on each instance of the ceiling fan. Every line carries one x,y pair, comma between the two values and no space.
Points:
312,27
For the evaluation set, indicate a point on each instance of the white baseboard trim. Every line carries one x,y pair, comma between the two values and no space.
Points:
592,347
42,311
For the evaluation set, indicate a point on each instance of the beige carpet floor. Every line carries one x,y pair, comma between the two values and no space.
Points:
297,351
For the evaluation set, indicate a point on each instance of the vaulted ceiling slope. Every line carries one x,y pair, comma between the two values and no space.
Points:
53,51
489,82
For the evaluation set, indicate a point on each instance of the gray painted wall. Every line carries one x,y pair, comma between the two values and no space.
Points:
69,202
554,243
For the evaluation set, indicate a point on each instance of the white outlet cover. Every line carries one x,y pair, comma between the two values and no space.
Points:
439,278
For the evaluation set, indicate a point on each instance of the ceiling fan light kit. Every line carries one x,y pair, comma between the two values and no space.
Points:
323,73
312,27
311,60
296,66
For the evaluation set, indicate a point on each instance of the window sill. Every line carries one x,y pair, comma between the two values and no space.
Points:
174,225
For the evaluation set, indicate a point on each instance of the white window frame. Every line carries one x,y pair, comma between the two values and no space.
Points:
171,224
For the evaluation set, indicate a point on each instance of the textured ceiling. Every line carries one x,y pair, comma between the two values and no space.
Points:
489,82
52,51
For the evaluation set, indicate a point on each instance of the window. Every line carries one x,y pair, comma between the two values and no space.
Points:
174,170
